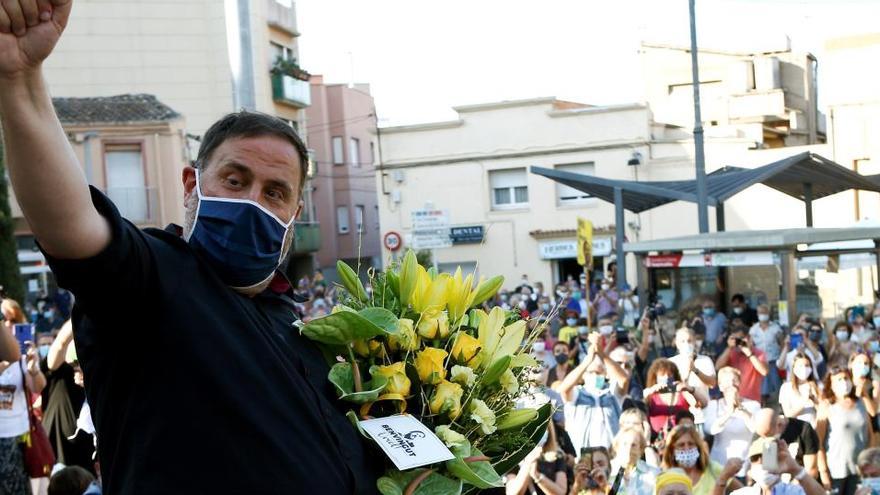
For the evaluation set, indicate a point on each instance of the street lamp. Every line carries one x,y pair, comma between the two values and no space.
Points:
699,155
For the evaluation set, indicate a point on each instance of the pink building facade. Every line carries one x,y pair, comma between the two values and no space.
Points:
342,135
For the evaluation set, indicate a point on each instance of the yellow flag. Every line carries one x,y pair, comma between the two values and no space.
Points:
585,242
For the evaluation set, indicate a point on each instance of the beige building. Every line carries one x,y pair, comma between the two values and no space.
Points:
133,149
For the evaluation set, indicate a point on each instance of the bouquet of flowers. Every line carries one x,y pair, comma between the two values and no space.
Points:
417,345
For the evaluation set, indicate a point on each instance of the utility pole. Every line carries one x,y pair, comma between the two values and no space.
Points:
699,154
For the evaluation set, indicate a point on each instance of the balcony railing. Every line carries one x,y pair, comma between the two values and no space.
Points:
140,205
282,15
290,90
307,237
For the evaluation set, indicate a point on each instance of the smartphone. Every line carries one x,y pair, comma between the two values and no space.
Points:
770,457
796,340
24,333
622,336
741,342
587,459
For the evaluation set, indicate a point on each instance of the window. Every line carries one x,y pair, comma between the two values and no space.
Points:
126,181
342,219
509,188
277,51
338,157
566,195
354,153
359,218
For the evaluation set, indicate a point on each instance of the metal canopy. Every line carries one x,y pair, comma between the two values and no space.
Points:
637,196
805,176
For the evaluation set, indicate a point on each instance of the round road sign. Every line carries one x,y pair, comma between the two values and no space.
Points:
392,241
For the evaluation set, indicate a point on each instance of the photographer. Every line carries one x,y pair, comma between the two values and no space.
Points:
591,472
698,370
749,361
666,395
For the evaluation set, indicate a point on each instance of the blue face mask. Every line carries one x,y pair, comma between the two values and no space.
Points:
600,382
571,322
44,350
708,311
876,321
874,345
241,240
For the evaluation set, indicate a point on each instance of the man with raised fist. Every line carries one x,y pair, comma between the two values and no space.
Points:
197,379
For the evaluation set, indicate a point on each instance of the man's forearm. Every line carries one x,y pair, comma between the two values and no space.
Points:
44,171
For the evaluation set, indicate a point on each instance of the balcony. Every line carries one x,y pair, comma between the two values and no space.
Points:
291,91
281,14
758,106
307,237
140,205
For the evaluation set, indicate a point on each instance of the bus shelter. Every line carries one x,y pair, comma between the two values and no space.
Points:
818,271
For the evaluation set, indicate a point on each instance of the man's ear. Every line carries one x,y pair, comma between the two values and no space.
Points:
189,183
299,209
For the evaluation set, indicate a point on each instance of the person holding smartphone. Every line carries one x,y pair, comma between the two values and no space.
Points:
798,343
591,472
767,472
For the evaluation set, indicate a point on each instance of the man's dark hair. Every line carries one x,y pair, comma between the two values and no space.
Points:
682,414
72,480
738,298
246,124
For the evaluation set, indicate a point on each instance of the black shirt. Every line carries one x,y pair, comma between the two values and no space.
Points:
801,433
195,388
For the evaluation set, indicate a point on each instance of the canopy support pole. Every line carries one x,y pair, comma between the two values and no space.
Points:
808,202
619,230
719,217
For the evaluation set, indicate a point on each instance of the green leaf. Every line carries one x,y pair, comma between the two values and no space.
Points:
346,326
495,370
533,431
387,486
395,482
480,474
523,361
382,318
352,417
342,377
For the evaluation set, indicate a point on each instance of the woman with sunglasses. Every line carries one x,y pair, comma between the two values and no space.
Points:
844,430
685,449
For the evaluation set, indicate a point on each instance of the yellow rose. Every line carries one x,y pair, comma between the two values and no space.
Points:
398,383
447,399
368,348
434,328
406,338
429,364
465,348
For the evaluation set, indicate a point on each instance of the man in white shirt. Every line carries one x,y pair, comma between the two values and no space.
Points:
798,342
696,370
768,336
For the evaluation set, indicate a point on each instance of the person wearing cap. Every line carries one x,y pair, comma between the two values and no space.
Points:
673,482
769,482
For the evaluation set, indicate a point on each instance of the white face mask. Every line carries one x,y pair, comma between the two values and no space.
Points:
606,329
605,286
762,477
842,335
687,458
802,372
538,347
763,317
841,388
685,348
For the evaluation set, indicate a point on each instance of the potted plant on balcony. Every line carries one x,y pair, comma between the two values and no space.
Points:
289,67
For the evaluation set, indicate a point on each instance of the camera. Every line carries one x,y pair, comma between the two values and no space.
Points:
622,336
741,343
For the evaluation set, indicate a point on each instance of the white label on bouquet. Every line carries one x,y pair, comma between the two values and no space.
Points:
406,441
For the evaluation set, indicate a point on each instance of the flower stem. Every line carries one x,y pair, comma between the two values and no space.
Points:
356,371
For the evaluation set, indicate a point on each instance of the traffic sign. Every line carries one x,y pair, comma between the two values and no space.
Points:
392,241
430,229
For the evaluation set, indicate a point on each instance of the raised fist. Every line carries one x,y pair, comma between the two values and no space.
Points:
29,30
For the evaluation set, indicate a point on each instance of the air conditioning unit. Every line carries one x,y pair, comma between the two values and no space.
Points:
398,176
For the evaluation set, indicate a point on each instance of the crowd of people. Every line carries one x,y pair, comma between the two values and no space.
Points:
700,391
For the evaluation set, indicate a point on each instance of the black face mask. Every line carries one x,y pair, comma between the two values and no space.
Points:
815,335
561,358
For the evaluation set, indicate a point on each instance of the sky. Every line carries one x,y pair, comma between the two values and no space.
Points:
422,58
